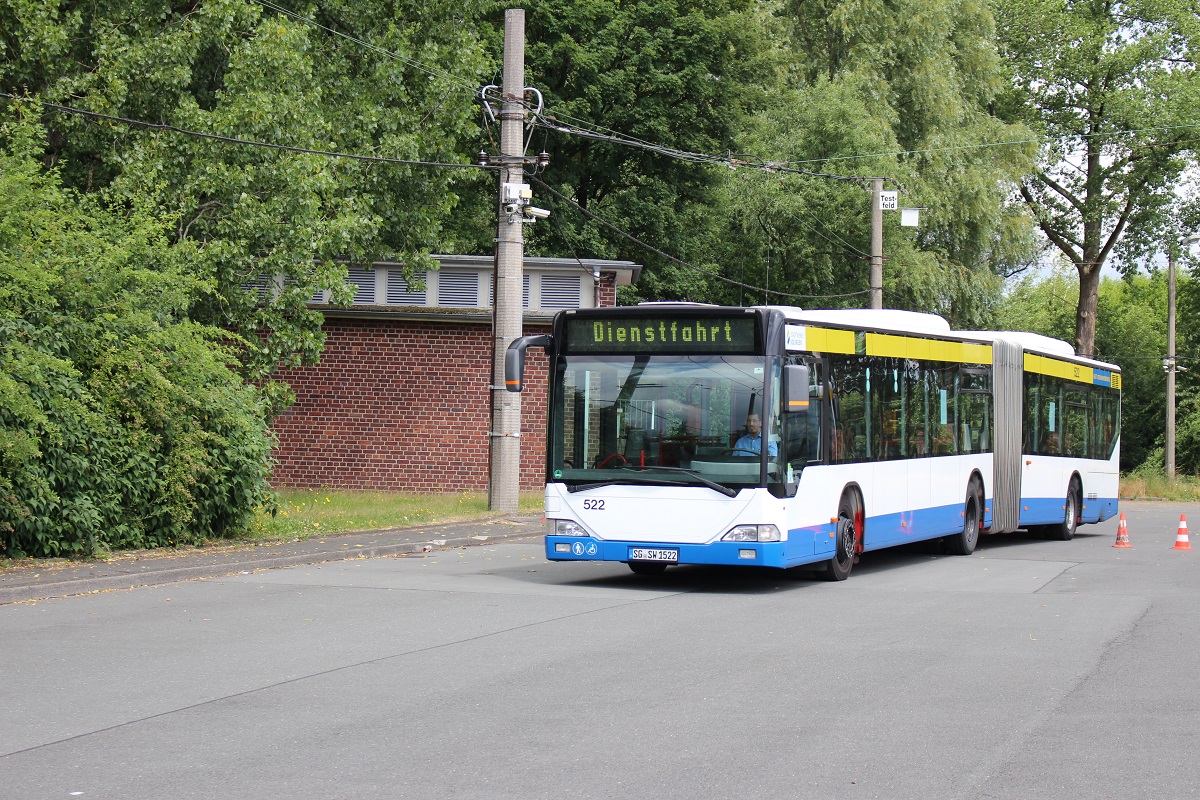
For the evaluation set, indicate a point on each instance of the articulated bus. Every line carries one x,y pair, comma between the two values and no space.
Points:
773,436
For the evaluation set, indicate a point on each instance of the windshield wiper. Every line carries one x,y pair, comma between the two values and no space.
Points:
719,487
583,487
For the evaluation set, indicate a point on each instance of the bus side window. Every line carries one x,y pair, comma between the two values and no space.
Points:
850,384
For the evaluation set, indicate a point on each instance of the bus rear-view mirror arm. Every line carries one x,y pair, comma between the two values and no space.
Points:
514,359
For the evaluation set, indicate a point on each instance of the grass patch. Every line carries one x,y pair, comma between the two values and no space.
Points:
304,513
1149,486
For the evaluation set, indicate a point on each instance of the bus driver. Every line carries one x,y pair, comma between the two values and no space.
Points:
751,443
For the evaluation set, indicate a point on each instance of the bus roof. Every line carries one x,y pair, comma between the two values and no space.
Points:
1030,341
899,321
891,319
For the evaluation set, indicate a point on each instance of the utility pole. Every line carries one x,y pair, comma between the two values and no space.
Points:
505,475
876,284
1169,364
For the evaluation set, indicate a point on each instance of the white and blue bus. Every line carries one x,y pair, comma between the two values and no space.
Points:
774,436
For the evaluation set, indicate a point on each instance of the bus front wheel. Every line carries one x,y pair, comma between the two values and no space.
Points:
848,535
647,567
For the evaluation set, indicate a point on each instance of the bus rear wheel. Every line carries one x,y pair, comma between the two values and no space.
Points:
1065,530
848,535
963,544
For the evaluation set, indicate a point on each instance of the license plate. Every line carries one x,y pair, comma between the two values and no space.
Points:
652,554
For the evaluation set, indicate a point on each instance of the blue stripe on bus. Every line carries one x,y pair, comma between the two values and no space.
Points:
813,544
887,530
1101,377
766,554
1049,510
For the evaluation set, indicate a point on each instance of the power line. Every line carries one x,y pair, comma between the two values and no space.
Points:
751,162
841,243
679,261
251,142
553,122
1007,143
435,72
436,164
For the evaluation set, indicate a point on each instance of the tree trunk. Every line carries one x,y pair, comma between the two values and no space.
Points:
1085,315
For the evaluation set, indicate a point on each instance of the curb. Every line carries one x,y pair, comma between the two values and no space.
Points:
51,589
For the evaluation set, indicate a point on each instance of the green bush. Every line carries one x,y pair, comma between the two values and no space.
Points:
121,422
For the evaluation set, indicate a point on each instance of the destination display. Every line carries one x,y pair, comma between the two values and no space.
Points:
674,334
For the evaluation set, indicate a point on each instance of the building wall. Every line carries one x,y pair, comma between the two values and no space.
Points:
403,405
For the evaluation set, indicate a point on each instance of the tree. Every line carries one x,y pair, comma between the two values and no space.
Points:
121,423
682,75
1112,89
402,87
882,89
1132,331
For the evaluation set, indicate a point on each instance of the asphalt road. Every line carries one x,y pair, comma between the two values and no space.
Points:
1032,669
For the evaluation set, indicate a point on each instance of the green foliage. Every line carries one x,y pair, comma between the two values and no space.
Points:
235,68
678,74
1131,332
1114,90
1149,482
121,423
1042,304
897,90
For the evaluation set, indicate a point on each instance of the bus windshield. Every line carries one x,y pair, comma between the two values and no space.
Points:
663,419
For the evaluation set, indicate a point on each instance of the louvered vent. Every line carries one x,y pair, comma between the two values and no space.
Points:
458,289
560,291
364,282
258,287
399,293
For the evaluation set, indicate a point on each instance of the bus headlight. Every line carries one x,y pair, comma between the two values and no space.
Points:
753,533
566,527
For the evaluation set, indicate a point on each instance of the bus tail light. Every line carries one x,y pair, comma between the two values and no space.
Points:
753,533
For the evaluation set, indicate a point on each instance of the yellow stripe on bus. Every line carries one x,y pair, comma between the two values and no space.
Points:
1059,369
882,344
827,340
831,340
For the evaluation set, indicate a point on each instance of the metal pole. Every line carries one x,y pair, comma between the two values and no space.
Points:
505,475
876,285
1170,454
1171,367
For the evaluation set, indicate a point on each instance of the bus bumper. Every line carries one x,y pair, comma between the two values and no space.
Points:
751,554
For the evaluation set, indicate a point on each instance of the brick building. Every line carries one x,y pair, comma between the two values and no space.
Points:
401,400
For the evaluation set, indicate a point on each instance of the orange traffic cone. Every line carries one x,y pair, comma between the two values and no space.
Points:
1181,540
1122,533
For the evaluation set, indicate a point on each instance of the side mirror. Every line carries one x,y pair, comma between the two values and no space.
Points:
514,359
795,387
